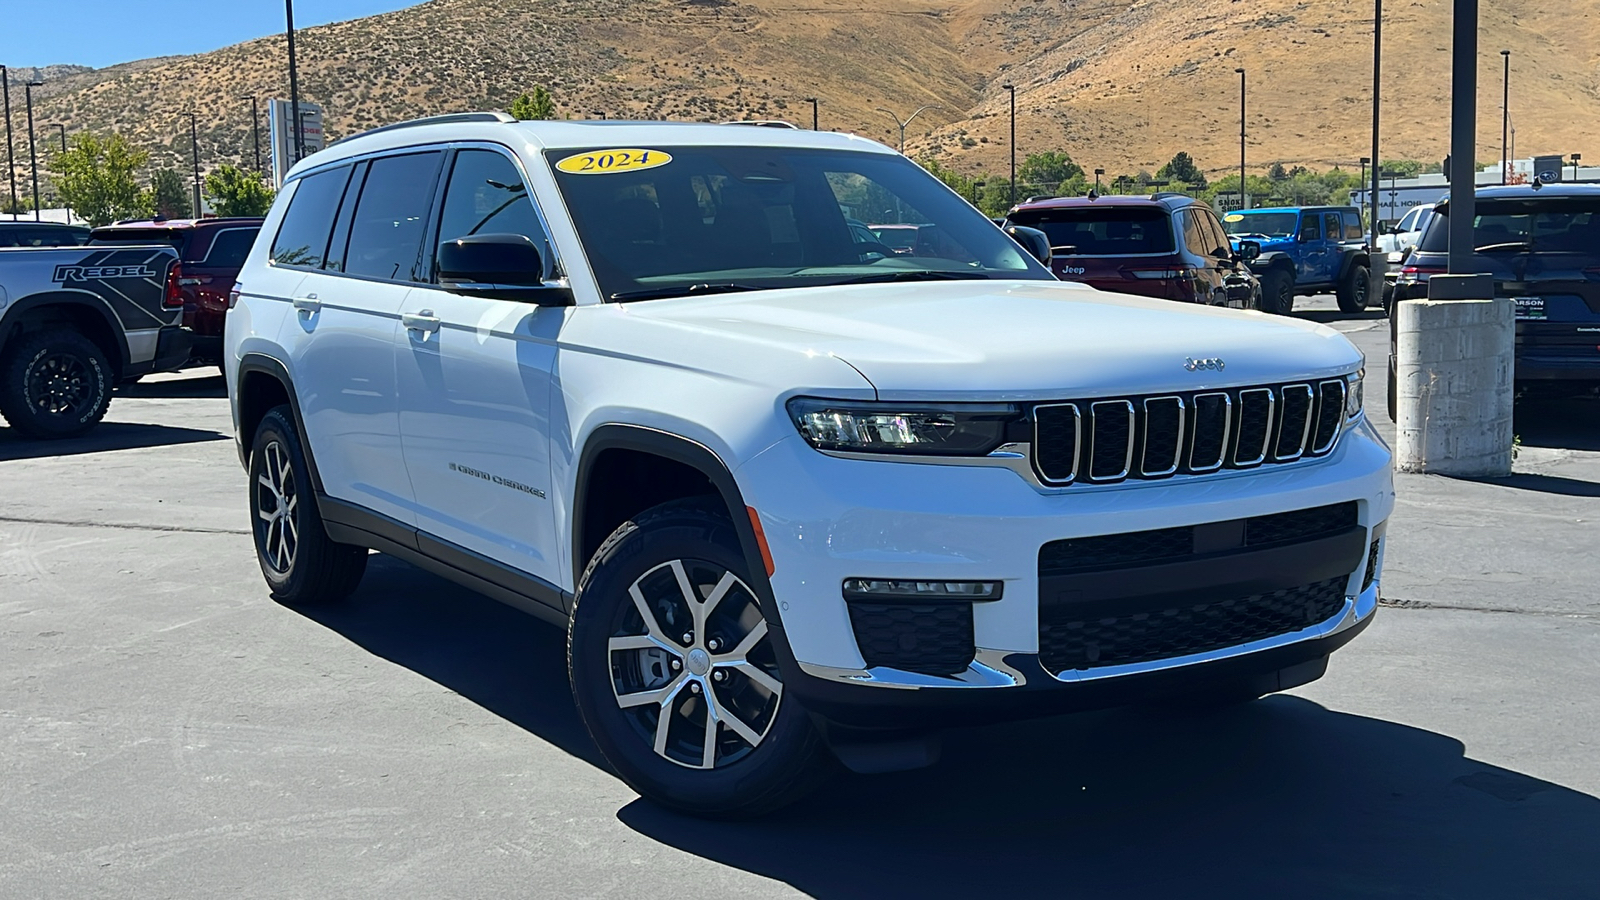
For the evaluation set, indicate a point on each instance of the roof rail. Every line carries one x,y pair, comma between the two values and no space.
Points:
446,119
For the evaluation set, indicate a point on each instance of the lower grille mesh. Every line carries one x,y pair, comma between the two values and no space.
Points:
930,638
1069,641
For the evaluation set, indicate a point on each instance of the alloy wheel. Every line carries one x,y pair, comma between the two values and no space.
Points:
691,664
60,384
277,508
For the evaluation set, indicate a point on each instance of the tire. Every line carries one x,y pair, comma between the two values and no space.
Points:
1394,395
1387,298
1354,289
649,649
1277,292
301,563
54,384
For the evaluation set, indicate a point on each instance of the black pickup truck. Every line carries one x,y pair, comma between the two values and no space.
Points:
75,322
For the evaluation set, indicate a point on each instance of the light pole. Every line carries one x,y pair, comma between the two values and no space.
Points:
294,85
1012,89
63,131
1097,174
1575,158
194,154
920,111
255,128
33,157
1377,84
10,162
813,102
1505,119
1365,161
1242,204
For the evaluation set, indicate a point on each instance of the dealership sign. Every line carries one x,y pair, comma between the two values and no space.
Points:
280,114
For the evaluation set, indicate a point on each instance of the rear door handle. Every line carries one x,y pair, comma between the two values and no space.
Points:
308,303
425,322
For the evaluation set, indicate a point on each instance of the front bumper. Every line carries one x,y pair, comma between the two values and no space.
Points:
829,519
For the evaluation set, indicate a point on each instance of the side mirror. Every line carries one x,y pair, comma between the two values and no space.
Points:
1036,242
1249,251
499,266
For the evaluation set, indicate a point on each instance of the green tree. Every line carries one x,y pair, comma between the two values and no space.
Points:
232,191
961,184
168,197
94,176
1052,171
1182,168
535,105
1406,168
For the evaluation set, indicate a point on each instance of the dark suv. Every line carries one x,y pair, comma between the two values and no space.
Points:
1167,246
1542,245
210,254
19,233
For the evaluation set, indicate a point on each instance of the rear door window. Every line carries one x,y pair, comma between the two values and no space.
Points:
1335,229
1102,230
302,239
391,216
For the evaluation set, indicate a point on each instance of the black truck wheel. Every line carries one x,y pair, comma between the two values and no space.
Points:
54,384
1354,289
1277,292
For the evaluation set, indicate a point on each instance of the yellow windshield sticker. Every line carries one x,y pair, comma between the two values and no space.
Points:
1233,217
608,162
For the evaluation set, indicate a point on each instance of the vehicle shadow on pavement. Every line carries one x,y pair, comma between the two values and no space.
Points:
106,436
502,659
1329,316
1281,798
197,385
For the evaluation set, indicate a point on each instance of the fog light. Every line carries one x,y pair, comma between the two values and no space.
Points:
885,590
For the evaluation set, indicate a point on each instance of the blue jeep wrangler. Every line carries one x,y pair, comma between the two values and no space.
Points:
1304,251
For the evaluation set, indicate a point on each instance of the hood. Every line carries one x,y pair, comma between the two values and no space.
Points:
1014,340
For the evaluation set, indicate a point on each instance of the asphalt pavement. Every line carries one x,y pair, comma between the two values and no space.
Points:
166,730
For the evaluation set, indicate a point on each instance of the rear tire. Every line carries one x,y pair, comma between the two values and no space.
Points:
54,384
1277,292
669,652
301,563
1354,289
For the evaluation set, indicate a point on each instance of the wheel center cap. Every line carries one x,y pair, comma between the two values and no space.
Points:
699,662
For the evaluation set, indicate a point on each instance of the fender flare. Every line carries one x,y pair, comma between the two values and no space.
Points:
1277,259
1351,258
690,453
69,298
261,363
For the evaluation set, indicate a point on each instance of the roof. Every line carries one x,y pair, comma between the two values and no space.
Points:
1288,209
32,224
179,224
1168,202
1557,189
535,137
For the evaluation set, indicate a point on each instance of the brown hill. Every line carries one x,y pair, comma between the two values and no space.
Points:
1119,83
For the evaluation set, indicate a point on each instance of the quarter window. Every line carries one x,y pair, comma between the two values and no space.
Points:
390,217
486,195
302,239
230,248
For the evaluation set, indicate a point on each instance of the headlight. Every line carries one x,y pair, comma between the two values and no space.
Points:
957,429
1354,397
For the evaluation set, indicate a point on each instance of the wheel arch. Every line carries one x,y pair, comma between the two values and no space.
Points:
263,384
613,460
87,314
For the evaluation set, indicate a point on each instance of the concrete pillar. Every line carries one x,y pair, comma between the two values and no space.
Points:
1453,379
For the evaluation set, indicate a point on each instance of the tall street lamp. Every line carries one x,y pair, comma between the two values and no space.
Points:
1575,158
194,154
294,86
1505,119
1242,203
920,111
813,102
1463,134
1097,174
10,162
1012,89
1377,84
33,156
255,128
63,132
1365,161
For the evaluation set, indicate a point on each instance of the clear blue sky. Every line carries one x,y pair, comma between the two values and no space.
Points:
103,32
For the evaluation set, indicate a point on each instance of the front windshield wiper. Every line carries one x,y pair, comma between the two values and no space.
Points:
924,275
684,290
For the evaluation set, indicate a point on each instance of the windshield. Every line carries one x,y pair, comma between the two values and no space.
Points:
1549,225
750,218
1271,224
1101,230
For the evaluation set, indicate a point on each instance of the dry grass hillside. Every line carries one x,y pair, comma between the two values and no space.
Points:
1119,84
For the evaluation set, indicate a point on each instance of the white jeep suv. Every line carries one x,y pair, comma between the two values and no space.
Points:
798,498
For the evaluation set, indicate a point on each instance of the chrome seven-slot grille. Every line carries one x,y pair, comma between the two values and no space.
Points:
1188,433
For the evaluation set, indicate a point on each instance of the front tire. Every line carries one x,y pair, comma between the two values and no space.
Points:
1354,289
674,673
1277,292
301,563
54,384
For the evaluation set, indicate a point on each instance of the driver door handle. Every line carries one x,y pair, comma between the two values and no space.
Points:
424,322
308,303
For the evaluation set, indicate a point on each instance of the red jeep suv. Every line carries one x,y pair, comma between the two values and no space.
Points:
1165,245
210,254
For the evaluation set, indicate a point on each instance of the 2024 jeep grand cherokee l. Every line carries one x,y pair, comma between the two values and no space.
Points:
798,499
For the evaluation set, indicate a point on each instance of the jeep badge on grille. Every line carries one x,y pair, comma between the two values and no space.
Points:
1214,363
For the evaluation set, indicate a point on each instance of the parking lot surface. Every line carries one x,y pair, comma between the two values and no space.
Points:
169,731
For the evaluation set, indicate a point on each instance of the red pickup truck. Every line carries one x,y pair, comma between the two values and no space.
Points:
210,254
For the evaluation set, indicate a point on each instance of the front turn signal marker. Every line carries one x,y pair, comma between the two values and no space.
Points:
761,538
